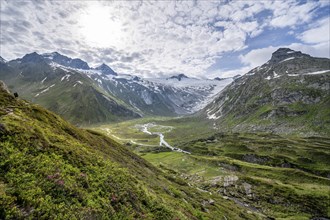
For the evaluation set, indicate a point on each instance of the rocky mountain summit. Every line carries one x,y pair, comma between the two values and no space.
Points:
179,77
32,58
105,69
66,61
283,54
289,93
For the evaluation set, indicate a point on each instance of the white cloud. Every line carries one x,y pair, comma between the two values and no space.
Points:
316,50
229,73
318,34
291,13
257,57
148,37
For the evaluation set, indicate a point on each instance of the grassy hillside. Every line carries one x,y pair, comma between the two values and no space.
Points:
274,176
288,176
50,169
283,178
181,129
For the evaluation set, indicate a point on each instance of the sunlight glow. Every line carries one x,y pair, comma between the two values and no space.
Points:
99,28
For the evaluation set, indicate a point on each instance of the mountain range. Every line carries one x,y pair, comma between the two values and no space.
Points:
248,147
70,88
291,88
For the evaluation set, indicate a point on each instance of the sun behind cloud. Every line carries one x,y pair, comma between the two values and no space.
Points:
99,27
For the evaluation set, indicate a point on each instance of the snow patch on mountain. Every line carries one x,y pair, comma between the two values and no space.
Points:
311,73
146,97
78,82
67,76
42,81
317,72
290,58
45,90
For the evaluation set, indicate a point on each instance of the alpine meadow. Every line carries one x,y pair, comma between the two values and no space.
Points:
165,110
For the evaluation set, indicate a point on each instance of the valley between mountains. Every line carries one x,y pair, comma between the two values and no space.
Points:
119,146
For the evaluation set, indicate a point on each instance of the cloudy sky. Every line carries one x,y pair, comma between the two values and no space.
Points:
154,38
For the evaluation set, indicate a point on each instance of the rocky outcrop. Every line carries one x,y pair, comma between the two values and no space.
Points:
229,180
252,158
3,87
248,189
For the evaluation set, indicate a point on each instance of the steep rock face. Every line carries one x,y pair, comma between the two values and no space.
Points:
3,87
291,88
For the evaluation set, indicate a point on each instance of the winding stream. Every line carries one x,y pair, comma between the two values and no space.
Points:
144,128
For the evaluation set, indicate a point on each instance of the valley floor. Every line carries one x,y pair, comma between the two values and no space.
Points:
266,174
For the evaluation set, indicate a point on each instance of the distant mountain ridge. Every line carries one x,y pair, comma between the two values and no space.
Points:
86,95
63,90
178,77
105,69
66,61
290,93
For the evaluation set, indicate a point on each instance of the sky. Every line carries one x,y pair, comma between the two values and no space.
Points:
204,39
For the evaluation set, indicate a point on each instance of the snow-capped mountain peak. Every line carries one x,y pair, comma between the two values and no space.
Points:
167,96
2,60
179,77
66,61
105,69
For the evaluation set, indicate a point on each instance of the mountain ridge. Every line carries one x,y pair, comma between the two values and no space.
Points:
179,77
37,77
66,61
288,94
282,54
105,69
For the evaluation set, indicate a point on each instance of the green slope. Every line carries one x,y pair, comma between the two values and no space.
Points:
71,94
51,170
281,177
289,177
